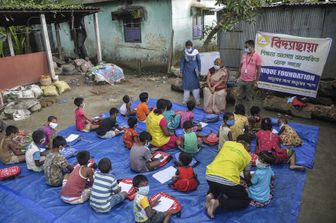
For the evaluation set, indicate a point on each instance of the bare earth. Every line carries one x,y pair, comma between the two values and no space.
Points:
319,197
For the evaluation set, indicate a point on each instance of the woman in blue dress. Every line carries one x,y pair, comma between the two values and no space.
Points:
190,68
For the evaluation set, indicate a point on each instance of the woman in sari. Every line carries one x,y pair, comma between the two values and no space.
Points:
215,91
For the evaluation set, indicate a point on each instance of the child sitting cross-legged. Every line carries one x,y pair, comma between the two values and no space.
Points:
254,120
83,123
141,158
109,126
142,109
49,130
185,178
125,108
241,122
34,157
189,143
55,165
173,120
76,187
105,193
260,190
224,130
143,211
188,115
130,134
10,151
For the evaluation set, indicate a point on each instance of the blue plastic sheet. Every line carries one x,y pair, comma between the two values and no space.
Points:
28,199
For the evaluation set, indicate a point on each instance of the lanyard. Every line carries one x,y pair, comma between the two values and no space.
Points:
247,63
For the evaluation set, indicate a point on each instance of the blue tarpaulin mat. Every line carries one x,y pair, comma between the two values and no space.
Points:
28,199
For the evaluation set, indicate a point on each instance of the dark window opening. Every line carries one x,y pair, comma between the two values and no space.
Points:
132,30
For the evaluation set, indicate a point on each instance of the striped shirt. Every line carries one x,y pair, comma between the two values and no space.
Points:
104,186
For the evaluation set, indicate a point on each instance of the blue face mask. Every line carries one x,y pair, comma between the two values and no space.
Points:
230,122
246,50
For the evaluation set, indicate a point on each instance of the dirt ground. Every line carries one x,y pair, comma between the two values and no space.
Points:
319,198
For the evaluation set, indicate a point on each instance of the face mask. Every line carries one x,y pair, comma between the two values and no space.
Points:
43,141
216,67
83,106
53,125
257,118
143,190
230,122
189,50
246,50
147,144
260,164
16,137
61,149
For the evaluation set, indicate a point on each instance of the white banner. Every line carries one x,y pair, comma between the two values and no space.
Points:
291,64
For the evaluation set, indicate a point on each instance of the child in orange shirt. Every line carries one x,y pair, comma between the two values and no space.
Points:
130,135
142,110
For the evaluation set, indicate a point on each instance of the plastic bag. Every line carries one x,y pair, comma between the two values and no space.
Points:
49,90
36,90
62,86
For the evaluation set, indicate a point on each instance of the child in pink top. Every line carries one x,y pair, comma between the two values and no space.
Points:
83,123
76,187
49,130
188,115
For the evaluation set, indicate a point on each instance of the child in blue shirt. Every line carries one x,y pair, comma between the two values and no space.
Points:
260,190
173,120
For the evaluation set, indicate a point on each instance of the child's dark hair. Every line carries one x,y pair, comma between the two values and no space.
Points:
143,96
255,110
126,99
227,115
267,157
132,121
244,138
114,111
239,109
51,118
266,124
145,136
161,105
185,158
191,105
169,105
83,157
105,165
138,179
37,136
59,141
187,125
78,101
11,129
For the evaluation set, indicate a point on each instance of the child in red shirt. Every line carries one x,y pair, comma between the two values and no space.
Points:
185,179
130,134
83,123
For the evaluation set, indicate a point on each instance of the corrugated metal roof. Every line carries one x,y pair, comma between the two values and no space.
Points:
300,4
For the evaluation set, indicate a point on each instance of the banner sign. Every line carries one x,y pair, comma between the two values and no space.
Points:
291,64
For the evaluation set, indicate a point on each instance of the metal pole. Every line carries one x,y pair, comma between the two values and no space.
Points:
10,43
58,39
96,26
47,47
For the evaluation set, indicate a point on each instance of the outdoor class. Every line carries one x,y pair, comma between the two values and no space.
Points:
105,119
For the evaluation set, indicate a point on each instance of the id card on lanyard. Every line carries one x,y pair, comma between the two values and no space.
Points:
247,63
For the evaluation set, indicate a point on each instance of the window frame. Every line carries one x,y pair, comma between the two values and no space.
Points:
132,21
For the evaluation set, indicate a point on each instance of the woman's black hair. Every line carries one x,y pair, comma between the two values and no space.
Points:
78,101
239,109
138,179
37,136
126,99
132,121
255,110
50,118
145,136
244,138
11,129
266,124
83,157
188,43
185,158
227,115
191,105
105,165
161,105
169,105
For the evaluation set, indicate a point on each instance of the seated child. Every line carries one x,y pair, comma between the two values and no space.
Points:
83,123
34,157
49,130
260,190
130,134
143,211
125,108
189,114
254,120
288,135
109,126
173,120
241,123
55,165
105,193
185,179
142,109
10,151
141,158
76,186
224,133
189,143
269,141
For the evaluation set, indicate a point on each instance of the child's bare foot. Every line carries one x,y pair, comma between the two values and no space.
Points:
213,205
296,167
208,199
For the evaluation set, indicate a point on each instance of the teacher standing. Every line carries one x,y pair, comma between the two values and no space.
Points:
190,68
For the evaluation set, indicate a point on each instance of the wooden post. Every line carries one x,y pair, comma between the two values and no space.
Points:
47,47
170,52
10,43
58,39
96,26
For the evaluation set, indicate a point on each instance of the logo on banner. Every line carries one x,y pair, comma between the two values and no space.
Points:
263,41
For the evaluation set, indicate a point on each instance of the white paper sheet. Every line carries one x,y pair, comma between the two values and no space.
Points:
72,137
164,204
203,124
125,187
165,175
157,156
275,131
